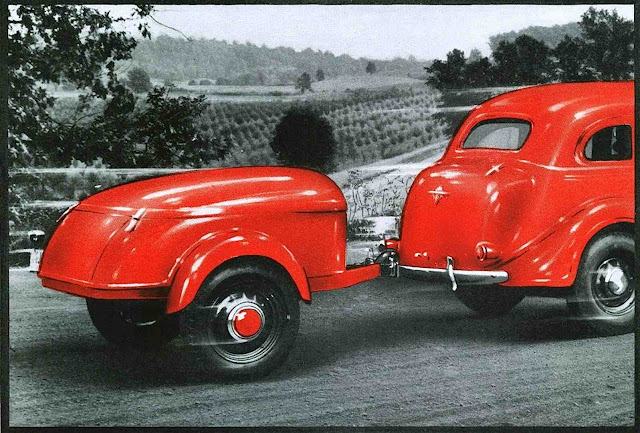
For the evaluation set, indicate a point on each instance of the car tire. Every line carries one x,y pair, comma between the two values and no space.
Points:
489,301
133,323
252,291
603,293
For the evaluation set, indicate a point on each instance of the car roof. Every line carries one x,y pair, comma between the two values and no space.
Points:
560,114
553,99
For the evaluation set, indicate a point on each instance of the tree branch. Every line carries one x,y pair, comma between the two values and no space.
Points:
170,28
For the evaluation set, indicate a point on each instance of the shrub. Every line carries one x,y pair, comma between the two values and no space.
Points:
205,83
192,83
138,80
305,139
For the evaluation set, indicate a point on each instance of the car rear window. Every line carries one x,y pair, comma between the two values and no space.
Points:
504,134
609,144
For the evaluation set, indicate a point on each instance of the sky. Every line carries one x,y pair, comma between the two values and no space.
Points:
373,31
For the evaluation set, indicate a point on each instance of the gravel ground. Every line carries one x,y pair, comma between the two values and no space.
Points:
386,352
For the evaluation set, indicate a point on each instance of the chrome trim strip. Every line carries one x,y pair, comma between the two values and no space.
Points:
463,278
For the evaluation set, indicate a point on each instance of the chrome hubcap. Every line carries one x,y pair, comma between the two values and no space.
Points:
613,287
245,320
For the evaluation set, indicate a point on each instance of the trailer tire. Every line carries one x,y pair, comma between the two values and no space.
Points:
133,323
244,319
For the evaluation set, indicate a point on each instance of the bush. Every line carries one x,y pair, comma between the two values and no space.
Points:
304,139
192,83
138,80
205,83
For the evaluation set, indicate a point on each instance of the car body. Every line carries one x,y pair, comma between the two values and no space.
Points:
530,178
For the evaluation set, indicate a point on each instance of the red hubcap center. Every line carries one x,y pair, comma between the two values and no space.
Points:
247,322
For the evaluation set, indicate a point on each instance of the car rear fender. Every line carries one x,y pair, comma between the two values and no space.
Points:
221,247
554,260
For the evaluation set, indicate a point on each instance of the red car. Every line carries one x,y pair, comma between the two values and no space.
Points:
534,195
535,192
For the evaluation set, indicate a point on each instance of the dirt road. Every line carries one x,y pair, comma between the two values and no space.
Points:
387,352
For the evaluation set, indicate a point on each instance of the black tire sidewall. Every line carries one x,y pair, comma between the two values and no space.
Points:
106,317
582,301
195,320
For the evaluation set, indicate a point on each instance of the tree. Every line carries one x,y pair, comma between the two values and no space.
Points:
139,80
78,45
505,57
570,60
304,83
450,73
608,44
524,61
478,73
303,138
371,68
320,75
474,55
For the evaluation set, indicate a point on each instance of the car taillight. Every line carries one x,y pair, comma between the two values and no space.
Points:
485,251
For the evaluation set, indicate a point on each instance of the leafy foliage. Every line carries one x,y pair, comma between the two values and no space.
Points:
320,75
303,138
570,63
371,68
449,73
608,44
551,36
304,83
524,61
78,45
236,63
139,81
601,50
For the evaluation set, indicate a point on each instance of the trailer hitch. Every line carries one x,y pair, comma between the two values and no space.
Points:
388,261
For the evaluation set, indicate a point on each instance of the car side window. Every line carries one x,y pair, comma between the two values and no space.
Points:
504,134
609,144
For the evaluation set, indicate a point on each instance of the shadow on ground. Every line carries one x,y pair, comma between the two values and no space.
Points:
336,327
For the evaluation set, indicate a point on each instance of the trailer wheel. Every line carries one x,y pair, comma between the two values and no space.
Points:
133,323
604,290
244,319
489,301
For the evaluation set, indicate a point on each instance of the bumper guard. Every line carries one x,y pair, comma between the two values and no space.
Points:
460,277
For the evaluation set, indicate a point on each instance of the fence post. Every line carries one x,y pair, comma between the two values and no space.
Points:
37,238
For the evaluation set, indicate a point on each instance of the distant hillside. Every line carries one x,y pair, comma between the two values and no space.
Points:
177,59
549,35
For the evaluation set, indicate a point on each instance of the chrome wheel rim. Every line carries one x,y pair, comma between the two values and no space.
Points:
255,297
613,287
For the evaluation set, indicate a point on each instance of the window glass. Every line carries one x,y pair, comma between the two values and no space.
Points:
505,134
609,144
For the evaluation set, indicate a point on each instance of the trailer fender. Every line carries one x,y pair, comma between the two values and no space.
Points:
224,246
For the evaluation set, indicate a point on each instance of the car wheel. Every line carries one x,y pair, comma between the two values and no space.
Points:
244,319
133,323
489,301
604,290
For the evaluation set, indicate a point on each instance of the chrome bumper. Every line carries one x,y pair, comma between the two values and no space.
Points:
459,277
